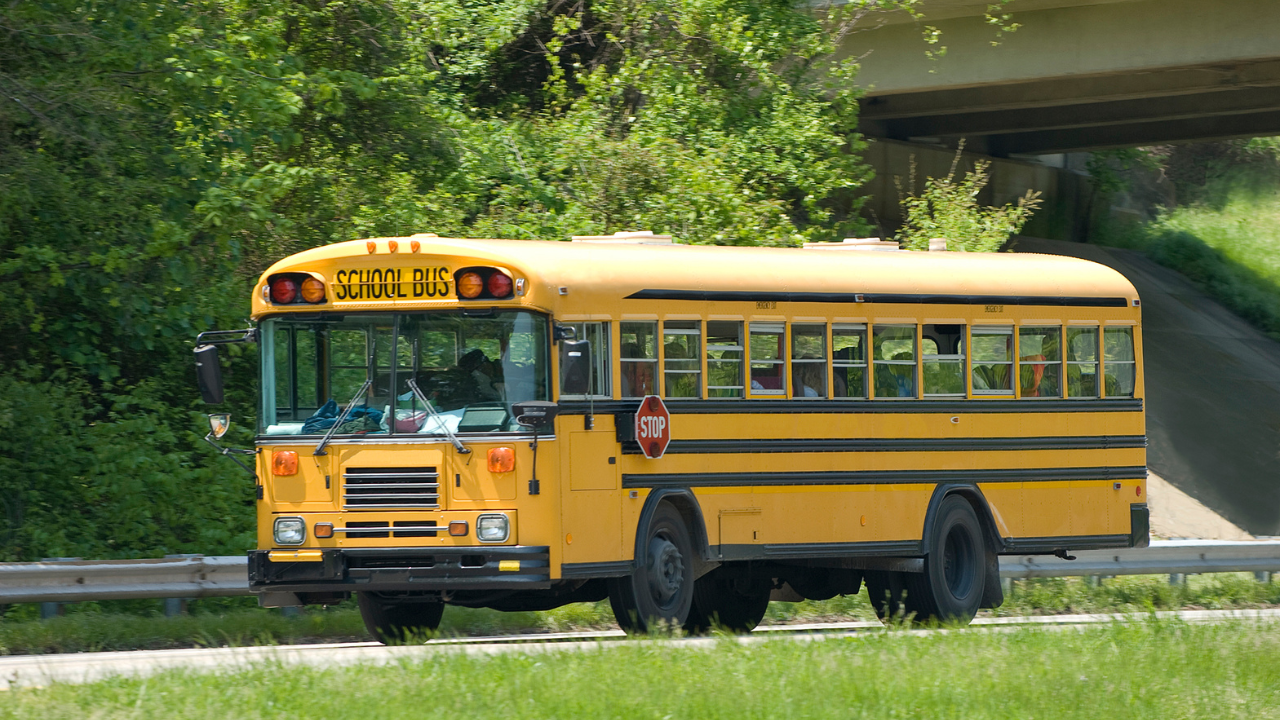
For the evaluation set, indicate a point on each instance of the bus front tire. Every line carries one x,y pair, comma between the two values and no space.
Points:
658,594
734,604
389,621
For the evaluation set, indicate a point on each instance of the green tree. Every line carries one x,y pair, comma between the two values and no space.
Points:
948,208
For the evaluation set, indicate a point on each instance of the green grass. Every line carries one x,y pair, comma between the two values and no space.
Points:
1228,244
234,624
1150,669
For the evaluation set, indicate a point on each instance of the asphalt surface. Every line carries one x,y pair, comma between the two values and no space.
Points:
75,668
1212,390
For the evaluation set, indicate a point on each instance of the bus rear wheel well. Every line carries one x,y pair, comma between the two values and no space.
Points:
993,594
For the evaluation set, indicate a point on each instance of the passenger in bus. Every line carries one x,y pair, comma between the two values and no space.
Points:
637,377
809,381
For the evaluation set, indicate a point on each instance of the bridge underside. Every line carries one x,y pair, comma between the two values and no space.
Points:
1076,76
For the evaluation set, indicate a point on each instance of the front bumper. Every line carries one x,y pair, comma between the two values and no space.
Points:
491,567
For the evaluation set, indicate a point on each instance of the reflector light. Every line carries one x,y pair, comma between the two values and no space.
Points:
470,285
392,245
458,528
324,530
284,291
371,246
499,285
313,290
284,463
502,460
415,246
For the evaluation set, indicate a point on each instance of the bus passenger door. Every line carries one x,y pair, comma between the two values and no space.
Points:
591,500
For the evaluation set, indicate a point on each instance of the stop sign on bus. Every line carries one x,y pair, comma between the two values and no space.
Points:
653,427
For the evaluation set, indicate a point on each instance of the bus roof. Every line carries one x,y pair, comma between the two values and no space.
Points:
622,270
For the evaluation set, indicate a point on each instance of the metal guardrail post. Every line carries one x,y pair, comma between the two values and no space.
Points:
50,610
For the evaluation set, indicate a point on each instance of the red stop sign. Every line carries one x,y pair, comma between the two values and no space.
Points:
653,427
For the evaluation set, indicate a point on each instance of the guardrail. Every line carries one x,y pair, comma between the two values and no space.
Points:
65,581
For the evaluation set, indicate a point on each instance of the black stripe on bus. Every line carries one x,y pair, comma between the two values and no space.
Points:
879,477
808,445
835,297
678,406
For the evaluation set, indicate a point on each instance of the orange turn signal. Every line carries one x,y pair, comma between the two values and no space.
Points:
502,460
470,285
312,290
458,528
284,462
323,530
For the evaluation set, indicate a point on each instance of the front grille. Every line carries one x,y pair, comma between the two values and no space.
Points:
352,532
376,488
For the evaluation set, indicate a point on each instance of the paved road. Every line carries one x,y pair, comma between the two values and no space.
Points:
1213,391
43,670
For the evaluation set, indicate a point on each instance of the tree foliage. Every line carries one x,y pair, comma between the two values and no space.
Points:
948,207
156,156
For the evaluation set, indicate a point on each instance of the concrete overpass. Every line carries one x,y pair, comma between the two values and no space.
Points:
1077,75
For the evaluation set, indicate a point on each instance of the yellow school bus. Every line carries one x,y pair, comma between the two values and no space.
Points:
453,422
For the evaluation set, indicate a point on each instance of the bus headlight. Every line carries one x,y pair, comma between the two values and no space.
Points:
290,531
492,528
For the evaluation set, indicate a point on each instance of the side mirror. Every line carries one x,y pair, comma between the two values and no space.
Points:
537,414
219,424
575,367
209,373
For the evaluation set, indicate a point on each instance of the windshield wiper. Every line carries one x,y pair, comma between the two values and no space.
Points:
341,418
463,449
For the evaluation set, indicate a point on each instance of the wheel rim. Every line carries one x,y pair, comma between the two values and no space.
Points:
666,571
958,562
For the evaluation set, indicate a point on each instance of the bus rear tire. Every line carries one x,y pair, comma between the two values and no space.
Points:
955,567
390,622
658,594
734,604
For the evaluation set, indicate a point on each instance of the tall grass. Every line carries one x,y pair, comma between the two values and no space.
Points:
1152,669
1227,242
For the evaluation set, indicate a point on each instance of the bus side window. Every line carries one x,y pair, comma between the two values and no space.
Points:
992,360
1082,362
849,360
724,359
1118,362
682,371
942,350
893,350
768,358
596,333
639,355
1040,361
808,361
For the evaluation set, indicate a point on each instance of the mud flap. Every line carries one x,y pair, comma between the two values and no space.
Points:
992,592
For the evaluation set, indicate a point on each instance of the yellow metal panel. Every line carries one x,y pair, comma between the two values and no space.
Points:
591,507
741,526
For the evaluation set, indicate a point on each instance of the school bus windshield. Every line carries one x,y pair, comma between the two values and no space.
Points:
471,369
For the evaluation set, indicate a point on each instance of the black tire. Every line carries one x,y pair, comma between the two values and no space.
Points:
390,622
955,566
658,594
734,604
887,592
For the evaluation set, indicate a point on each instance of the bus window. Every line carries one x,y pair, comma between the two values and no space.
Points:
1082,362
849,360
1040,361
597,333
1118,361
942,348
809,361
639,358
724,359
768,359
992,360
682,371
894,357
